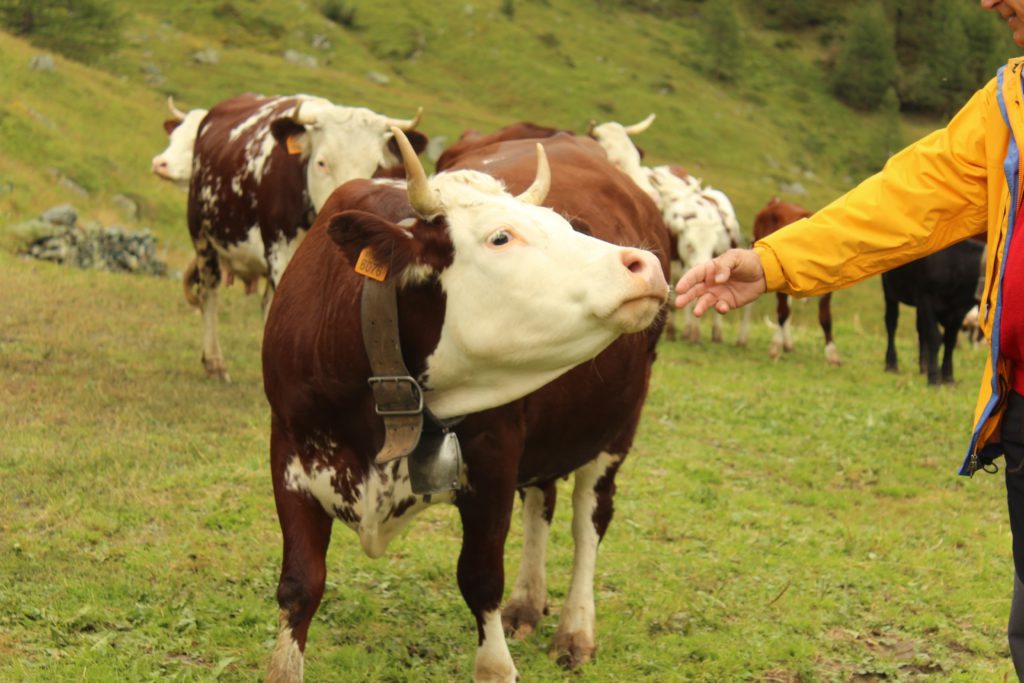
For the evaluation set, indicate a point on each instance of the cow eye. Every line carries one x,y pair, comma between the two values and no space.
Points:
500,238
321,164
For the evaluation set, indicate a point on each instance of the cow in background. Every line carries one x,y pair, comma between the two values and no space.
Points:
263,167
472,139
175,162
943,287
703,226
776,215
701,219
497,299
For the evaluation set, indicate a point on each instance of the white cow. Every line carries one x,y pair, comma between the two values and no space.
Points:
702,220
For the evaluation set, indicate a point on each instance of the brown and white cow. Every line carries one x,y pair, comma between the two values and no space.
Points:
701,219
499,303
263,167
472,139
774,216
175,162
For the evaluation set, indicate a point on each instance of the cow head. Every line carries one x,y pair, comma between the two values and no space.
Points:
175,162
341,143
624,155
527,297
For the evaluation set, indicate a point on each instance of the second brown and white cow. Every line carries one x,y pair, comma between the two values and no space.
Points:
776,215
499,303
263,167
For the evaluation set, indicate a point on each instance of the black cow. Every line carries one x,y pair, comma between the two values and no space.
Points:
942,288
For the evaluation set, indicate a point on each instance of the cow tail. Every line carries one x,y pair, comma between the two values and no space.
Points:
190,282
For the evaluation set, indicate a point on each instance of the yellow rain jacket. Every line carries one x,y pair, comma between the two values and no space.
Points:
946,187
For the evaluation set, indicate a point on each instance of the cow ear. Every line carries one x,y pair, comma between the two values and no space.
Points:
289,134
390,246
417,139
640,151
170,125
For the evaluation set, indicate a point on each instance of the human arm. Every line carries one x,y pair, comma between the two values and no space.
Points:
930,195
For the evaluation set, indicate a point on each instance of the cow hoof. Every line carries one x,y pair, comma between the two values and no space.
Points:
716,337
892,368
216,369
788,347
832,355
774,351
488,674
520,619
573,650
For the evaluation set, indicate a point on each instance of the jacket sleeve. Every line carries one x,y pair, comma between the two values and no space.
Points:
928,196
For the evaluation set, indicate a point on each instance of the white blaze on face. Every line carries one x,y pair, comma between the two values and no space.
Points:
345,143
527,297
175,162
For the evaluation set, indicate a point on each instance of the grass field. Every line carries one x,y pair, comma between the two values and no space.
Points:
777,521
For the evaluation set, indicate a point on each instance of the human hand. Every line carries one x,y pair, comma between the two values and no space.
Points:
732,280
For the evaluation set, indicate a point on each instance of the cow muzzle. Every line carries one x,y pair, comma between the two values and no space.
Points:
646,293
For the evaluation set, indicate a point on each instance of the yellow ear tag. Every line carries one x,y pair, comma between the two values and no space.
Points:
368,265
292,144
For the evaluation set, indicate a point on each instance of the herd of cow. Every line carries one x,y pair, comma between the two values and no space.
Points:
404,311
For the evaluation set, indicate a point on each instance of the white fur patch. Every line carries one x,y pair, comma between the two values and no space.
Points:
493,660
371,506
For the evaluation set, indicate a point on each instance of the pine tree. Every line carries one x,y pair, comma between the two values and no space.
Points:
723,40
84,30
791,14
865,68
932,50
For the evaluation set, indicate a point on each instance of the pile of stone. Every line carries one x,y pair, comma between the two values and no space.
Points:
56,236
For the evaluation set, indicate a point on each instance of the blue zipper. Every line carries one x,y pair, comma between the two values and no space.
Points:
1011,166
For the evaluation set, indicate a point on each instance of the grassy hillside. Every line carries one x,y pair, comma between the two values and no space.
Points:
559,62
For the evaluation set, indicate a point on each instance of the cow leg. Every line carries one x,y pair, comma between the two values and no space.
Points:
825,319
929,339
486,511
208,273
575,639
716,327
691,324
779,341
307,532
744,333
949,338
529,599
676,271
892,317
268,298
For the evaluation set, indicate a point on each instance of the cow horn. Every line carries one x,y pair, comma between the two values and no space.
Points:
422,197
407,124
177,113
640,127
306,120
538,191
591,127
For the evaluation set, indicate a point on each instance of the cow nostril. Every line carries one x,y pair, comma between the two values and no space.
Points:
633,260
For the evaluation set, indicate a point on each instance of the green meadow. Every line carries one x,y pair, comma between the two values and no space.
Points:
777,521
